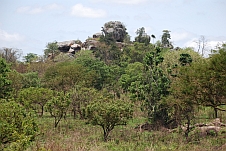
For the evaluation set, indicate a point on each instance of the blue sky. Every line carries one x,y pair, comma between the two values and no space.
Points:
30,25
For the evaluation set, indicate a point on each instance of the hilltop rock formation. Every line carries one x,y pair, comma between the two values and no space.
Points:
113,28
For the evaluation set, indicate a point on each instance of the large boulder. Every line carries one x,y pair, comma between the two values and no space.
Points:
90,44
116,29
71,46
97,35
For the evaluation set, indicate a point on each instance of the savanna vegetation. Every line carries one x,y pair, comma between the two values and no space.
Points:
145,96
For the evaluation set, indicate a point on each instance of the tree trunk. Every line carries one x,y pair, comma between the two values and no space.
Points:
57,121
215,112
74,112
188,127
42,111
106,133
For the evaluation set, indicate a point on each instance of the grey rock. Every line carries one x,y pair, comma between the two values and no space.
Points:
116,29
69,46
97,35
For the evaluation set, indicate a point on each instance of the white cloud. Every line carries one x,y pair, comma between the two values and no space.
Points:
37,10
122,1
81,11
214,44
53,6
180,36
191,43
131,2
11,40
142,17
5,36
23,9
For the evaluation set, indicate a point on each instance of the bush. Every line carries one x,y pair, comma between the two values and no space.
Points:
17,127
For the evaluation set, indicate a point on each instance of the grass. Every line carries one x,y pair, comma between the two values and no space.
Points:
76,135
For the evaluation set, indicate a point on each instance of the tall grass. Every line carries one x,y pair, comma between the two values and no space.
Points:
76,135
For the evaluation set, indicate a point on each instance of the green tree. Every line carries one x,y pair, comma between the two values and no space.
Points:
109,114
165,39
210,79
102,71
5,82
81,97
64,76
39,67
156,85
185,59
52,50
31,79
17,127
58,106
182,102
173,60
30,57
35,98
135,53
108,52
142,37
133,74
16,84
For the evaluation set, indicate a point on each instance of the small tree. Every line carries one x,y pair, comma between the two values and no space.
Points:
155,86
181,101
58,106
81,96
35,98
51,49
142,37
30,57
109,114
165,39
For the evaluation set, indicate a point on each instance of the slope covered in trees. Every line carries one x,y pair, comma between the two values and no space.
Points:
115,88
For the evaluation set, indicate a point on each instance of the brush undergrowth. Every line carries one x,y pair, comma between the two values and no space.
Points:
76,135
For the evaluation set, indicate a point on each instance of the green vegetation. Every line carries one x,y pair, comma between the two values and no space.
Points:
109,114
17,127
122,95
4,80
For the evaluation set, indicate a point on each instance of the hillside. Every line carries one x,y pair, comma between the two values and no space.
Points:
111,93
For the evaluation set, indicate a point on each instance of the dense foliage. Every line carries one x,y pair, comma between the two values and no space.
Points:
4,79
17,126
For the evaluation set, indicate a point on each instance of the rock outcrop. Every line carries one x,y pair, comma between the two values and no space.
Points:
115,29
206,128
71,46
90,44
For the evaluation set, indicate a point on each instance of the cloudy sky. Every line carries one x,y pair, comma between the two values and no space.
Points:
30,25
